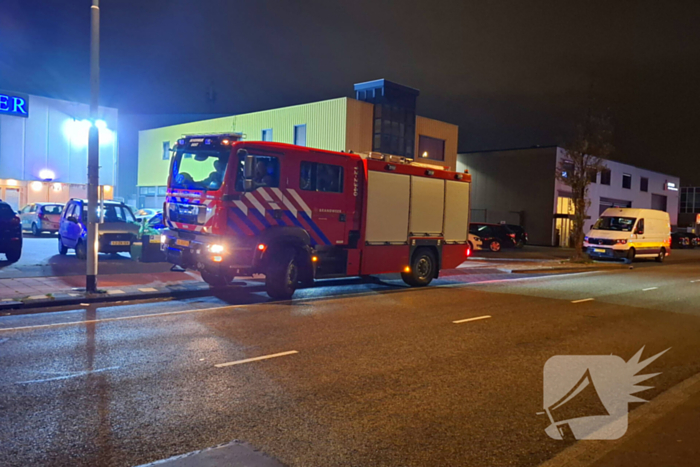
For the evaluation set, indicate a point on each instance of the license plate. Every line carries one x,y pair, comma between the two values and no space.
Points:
181,242
599,250
120,242
154,240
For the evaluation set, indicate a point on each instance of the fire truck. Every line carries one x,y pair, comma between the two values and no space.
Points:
296,214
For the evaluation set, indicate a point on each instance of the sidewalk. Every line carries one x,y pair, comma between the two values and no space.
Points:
27,292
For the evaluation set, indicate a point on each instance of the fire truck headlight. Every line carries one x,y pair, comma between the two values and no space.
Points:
163,239
216,248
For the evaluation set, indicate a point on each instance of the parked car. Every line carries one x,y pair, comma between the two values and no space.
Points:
684,240
475,242
117,232
152,226
10,233
145,213
41,217
493,236
520,235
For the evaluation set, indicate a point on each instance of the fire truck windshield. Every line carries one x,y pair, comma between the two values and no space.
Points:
199,170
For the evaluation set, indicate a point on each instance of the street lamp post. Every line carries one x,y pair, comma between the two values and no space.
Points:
93,150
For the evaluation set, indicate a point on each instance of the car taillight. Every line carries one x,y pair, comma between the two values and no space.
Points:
511,235
40,215
468,252
16,220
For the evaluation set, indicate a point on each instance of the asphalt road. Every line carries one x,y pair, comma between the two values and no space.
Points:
381,375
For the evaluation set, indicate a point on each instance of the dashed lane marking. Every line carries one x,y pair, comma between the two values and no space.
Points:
255,359
583,300
649,288
459,321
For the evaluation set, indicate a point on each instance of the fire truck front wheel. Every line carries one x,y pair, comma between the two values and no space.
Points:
423,268
282,275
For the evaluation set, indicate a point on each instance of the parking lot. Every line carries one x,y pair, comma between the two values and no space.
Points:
40,258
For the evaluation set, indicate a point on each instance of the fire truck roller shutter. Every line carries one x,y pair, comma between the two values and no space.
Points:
427,206
456,227
388,198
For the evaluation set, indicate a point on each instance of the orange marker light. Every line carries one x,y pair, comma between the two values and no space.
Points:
314,258
407,269
225,142
261,247
217,259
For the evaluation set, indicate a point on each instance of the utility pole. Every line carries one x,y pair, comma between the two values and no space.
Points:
93,150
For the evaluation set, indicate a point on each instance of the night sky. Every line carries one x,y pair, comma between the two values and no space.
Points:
510,74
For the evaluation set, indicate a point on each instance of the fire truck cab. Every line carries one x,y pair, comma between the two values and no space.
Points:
296,214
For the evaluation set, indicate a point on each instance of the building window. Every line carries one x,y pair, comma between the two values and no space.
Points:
321,177
166,150
593,176
627,181
605,177
644,184
394,130
431,148
567,167
267,135
300,135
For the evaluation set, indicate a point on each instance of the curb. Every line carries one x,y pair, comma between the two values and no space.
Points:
565,270
38,305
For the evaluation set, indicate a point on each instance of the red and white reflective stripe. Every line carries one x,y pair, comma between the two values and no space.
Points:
254,201
266,196
300,201
288,204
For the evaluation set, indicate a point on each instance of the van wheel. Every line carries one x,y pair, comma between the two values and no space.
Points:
282,275
631,254
215,280
62,249
423,266
81,250
662,256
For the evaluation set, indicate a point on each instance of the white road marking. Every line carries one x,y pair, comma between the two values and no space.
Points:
470,319
698,280
148,289
649,288
583,300
115,292
255,359
74,375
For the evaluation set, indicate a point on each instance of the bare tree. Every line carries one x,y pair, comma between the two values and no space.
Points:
584,156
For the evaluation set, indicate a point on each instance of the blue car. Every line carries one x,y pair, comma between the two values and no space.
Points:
117,232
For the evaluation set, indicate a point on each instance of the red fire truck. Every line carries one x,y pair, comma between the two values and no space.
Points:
295,214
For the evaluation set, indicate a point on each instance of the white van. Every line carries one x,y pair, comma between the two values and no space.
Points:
630,233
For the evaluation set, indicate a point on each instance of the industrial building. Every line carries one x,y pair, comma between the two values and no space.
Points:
520,186
382,117
43,149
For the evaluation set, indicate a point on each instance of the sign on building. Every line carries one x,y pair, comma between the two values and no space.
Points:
13,103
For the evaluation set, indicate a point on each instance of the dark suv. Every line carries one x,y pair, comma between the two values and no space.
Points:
116,233
10,233
494,236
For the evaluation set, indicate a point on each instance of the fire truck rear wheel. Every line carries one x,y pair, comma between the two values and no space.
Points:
423,266
282,276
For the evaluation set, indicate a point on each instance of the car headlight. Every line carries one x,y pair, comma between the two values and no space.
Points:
216,248
621,241
585,239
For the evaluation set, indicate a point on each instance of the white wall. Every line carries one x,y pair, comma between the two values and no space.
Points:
51,138
639,199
